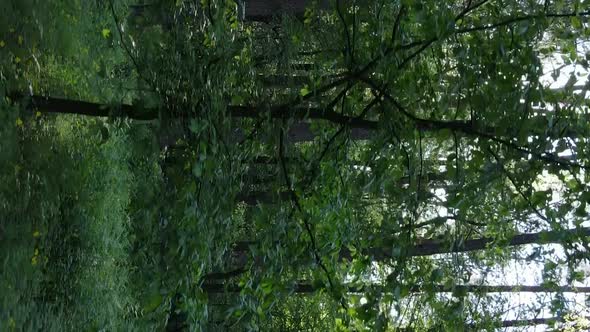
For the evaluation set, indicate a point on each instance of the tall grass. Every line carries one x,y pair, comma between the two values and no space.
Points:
65,190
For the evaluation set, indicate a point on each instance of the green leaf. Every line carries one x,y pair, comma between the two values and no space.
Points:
304,91
194,126
106,33
576,23
237,100
578,276
540,197
581,210
266,287
153,302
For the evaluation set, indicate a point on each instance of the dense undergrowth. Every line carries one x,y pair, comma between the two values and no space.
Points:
65,192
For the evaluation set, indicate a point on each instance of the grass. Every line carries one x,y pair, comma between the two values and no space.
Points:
65,192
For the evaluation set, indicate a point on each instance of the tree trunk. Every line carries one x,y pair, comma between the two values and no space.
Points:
266,10
435,247
308,288
363,127
530,322
427,247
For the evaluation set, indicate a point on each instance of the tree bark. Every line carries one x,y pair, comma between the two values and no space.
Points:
430,247
362,128
266,10
307,288
68,106
426,247
529,322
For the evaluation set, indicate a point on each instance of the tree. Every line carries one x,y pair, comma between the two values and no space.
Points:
384,160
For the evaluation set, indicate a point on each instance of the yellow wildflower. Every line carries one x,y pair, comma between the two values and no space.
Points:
36,234
34,258
19,122
38,114
17,60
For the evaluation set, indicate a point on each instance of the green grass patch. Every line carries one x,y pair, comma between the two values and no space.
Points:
65,190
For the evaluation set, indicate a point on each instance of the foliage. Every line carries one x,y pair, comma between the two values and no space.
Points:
65,223
375,167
